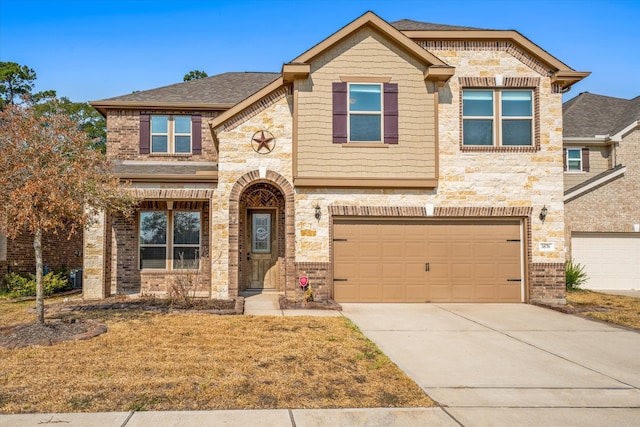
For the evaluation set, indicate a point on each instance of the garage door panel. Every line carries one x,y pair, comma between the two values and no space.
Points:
611,261
468,261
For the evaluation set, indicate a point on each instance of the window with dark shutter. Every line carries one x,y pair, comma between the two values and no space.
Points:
390,113
196,131
144,134
339,112
564,159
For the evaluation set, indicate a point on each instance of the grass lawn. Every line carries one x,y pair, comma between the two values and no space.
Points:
616,309
186,361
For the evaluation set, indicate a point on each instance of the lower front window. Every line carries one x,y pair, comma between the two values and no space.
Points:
169,240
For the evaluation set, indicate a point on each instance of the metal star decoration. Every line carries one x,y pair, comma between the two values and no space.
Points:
262,141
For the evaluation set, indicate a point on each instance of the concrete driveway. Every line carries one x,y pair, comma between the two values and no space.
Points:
510,364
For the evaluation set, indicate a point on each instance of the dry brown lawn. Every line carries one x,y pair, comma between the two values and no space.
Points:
616,309
187,361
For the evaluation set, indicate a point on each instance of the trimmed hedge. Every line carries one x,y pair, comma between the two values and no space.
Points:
21,286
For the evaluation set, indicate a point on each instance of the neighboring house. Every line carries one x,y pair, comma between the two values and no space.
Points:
602,188
405,162
58,251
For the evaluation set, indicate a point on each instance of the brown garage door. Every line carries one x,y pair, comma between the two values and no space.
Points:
421,261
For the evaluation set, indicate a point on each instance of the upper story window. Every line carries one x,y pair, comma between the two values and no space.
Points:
497,117
576,159
169,238
365,112
170,134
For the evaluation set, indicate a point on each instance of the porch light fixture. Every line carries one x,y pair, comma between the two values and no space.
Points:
318,212
543,213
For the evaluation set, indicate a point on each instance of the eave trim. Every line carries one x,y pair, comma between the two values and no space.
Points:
581,189
345,182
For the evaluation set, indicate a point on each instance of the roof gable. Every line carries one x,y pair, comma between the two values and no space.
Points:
221,91
370,19
588,115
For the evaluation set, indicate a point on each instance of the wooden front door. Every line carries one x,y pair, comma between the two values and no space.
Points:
262,246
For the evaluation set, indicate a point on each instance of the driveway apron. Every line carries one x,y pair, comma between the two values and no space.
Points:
510,364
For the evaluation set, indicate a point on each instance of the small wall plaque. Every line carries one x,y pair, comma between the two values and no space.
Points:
547,246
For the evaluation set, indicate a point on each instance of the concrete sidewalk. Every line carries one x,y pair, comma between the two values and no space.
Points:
382,417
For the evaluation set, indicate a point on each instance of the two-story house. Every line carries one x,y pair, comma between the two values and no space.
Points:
602,188
401,162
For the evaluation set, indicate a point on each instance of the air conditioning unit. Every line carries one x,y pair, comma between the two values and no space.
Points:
75,276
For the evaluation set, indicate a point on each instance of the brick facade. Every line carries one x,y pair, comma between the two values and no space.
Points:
58,251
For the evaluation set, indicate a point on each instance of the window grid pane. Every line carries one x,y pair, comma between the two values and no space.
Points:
186,228
477,103
182,144
365,127
186,257
516,132
477,132
517,103
365,97
153,257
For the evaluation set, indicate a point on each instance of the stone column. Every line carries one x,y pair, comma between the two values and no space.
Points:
93,279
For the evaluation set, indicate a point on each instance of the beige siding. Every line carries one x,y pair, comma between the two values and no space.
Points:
599,161
413,157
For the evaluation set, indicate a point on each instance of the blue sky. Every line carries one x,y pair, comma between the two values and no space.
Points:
90,49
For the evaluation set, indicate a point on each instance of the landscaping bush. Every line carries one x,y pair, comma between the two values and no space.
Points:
21,286
575,275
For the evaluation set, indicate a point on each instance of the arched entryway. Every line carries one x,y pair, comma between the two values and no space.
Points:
260,247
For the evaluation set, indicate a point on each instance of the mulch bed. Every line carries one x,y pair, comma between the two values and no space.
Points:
54,331
49,333
286,304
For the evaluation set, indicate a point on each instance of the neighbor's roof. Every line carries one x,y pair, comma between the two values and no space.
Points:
588,115
222,90
409,25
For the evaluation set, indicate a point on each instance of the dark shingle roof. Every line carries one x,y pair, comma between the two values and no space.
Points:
227,88
409,25
588,115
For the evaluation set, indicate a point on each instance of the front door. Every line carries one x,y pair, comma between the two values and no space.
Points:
262,249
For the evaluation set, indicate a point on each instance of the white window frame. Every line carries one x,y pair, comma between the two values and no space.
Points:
171,134
169,245
579,159
367,113
497,119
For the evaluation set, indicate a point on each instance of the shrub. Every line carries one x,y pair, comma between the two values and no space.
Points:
575,275
21,286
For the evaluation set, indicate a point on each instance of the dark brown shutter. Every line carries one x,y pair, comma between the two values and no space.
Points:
196,134
145,131
339,112
564,159
390,113
585,159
